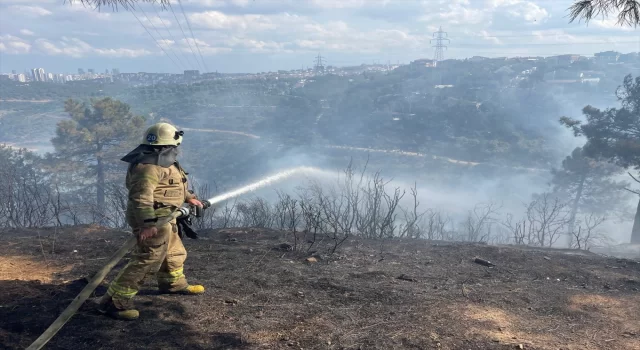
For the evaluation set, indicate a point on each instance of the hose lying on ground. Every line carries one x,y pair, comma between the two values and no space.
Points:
82,297
66,315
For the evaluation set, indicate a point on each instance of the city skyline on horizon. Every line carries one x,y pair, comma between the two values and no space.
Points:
75,71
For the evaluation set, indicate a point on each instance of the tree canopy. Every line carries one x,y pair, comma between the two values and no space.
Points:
96,136
613,133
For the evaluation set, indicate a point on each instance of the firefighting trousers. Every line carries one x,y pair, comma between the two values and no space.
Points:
162,254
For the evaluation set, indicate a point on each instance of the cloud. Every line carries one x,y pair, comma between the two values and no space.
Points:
13,45
490,38
256,45
339,36
345,4
157,22
166,42
76,9
30,11
526,10
129,53
76,48
478,14
220,3
186,46
30,2
612,23
291,5
220,21
26,32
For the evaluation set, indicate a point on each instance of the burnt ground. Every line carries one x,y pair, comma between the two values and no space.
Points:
395,294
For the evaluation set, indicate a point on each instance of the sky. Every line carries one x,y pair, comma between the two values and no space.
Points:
231,36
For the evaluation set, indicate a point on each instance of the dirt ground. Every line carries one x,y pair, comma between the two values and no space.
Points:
396,294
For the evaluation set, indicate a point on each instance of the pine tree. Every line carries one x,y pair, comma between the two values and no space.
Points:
587,185
614,134
96,137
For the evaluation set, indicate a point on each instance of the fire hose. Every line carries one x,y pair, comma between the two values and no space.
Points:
65,316
182,212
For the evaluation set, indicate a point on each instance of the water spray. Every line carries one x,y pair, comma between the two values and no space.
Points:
267,181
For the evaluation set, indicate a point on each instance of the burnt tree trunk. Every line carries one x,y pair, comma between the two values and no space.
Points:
635,232
100,184
574,208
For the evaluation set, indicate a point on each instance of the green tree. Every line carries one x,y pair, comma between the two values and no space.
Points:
96,136
614,133
587,185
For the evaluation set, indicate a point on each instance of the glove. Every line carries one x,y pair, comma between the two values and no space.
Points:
184,228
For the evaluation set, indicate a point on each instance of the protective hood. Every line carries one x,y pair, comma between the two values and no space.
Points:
147,154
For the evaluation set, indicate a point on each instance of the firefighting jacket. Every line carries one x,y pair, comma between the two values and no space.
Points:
154,192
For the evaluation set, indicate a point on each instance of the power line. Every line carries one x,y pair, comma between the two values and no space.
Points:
194,38
154,39
440,38
170,33
183,33
160,35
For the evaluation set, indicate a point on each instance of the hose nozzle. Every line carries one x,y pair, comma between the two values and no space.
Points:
183,212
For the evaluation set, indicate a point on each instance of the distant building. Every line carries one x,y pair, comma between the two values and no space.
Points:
629,57
477,59
564,81
564,59
38,74
80,71
13,72
191,74
68,78
50,77
22,78
423,62
91,71
115,71
590,81
607,56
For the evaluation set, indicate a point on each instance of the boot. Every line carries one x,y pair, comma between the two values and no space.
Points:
125,312
189,290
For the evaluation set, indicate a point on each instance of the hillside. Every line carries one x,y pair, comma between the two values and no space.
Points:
370,295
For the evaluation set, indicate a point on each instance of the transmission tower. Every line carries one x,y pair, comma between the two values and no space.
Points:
319,64
440,37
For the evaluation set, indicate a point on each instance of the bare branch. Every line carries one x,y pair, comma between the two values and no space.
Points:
632,191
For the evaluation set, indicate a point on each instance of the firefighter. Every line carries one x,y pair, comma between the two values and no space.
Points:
157,186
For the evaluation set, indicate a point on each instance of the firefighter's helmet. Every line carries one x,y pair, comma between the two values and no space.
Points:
163,134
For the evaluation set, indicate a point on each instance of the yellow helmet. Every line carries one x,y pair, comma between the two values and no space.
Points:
163,134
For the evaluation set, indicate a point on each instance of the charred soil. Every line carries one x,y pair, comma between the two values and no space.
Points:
262,294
